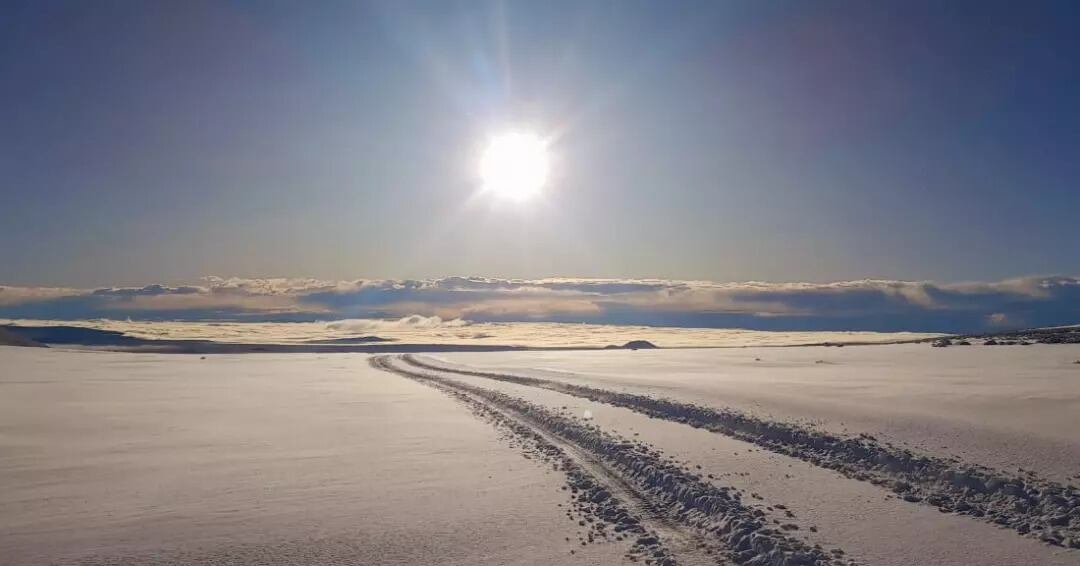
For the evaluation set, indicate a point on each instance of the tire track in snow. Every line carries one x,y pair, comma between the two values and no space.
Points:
1032,506
597,493
676,516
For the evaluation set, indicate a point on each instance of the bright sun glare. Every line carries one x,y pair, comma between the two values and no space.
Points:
514,165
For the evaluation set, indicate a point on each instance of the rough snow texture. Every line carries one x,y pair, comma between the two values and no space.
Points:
1029,504
1005,408
112,458
695,503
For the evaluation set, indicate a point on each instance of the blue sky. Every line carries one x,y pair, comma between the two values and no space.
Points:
159,142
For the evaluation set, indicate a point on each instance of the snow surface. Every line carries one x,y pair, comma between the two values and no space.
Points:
863,519
1001,406
110,458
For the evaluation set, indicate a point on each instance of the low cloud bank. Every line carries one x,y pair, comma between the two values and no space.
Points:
407,322
371,305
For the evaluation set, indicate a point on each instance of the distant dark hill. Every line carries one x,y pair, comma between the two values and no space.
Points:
73,335
8,338
119,342
634,345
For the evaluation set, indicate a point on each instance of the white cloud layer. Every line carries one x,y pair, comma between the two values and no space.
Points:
408,322
437,303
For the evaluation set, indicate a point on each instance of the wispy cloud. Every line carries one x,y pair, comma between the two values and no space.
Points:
846,305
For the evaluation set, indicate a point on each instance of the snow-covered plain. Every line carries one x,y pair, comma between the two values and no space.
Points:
110,458
1002,406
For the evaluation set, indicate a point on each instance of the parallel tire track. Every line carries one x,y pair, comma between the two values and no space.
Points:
675,515
1032,506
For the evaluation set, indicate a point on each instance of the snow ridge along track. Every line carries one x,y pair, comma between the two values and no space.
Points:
676,516
1030,505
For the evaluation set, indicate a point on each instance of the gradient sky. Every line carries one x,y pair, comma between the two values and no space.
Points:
800,141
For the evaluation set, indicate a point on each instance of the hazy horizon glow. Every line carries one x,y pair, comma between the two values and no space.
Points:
423,330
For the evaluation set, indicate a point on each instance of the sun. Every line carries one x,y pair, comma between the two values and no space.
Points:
514,165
